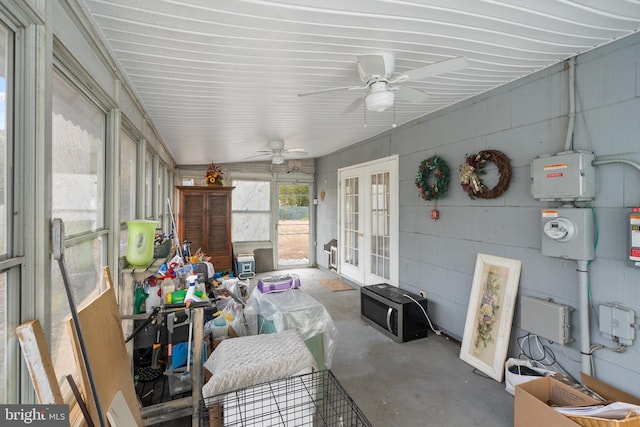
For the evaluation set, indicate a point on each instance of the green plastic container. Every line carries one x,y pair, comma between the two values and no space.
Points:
140,244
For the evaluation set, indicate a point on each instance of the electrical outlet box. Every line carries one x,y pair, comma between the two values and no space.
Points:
566,176
568,233
617,323
546,319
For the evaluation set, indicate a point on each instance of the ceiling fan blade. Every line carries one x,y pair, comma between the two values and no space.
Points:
295,150
442,67
295,154
355,104
410,94
375,65
334,89
258,155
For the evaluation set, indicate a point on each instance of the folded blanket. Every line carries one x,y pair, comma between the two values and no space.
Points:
242,362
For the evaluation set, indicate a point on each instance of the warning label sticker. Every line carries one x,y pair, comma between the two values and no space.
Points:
555,175
549,213
555,166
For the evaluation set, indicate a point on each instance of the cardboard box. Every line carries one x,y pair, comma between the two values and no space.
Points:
533,400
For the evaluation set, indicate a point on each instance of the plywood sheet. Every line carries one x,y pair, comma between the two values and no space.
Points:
38,360
104,344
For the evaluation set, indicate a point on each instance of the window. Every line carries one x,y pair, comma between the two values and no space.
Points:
78,154
251,211
8,270
128,162
161,178
4,155
148,184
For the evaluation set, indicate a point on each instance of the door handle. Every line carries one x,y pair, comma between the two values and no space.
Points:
360,234
389,312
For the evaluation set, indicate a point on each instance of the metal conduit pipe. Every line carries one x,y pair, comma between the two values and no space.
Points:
572,104
583,303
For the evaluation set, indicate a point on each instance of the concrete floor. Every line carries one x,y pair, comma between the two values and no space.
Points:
418,383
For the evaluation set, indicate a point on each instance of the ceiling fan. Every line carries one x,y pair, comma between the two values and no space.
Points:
377,73
277,151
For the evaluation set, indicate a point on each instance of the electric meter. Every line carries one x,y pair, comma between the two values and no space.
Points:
560,229
568,233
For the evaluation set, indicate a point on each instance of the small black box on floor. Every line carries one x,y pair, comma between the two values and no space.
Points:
395,312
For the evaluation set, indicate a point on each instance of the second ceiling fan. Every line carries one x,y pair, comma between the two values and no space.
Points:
377,74
277,151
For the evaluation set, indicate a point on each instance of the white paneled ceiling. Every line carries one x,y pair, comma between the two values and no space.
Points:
221,78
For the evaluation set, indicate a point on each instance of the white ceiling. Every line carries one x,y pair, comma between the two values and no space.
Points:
220,78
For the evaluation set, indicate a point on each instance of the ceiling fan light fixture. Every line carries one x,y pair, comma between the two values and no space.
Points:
277,159
379,100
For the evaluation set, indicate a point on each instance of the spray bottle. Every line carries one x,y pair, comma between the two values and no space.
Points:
191,297
154,299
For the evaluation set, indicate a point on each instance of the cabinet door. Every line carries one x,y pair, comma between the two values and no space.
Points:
218,229
193,211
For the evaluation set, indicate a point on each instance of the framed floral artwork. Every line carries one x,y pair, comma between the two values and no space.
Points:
486,332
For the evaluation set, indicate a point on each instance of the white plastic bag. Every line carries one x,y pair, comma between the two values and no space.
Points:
512,380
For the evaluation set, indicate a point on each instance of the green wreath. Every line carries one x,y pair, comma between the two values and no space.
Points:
432,189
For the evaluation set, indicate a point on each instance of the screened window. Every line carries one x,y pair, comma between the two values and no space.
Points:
78,152
78,159
4,155
6,38
128,161
251,211
148,184
162,201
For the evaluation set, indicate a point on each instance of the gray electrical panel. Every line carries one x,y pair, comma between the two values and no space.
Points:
566,176
568,233
546,319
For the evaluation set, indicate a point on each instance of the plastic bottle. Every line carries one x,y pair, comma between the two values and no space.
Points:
178,297
191,297
154,299
167,287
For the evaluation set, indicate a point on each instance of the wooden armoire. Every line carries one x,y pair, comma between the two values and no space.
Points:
204,219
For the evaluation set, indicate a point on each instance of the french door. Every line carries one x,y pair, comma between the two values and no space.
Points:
368,223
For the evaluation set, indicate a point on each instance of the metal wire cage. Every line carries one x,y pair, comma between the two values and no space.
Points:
316,399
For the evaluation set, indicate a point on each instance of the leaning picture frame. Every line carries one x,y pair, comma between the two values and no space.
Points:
491,304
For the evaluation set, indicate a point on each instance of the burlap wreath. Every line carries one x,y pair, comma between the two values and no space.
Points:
473,168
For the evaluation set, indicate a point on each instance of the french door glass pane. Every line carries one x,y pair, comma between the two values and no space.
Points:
380,221
351,221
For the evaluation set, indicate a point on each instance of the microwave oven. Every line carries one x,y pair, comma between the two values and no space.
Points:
394,312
